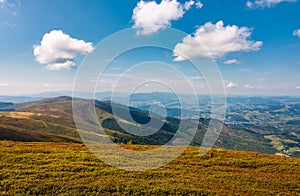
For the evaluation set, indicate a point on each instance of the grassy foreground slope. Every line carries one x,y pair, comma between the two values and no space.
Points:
35,127
70,169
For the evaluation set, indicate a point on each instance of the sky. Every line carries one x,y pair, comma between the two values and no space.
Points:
255,44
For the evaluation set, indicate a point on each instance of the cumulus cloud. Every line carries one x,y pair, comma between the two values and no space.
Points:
58,50
187,5
215,40
231,85
265,3
149,17
199,5
249,4
61,66
296,33
231,61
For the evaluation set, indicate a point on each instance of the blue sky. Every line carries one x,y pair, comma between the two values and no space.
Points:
265,61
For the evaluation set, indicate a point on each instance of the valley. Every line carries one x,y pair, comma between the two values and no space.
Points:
51,120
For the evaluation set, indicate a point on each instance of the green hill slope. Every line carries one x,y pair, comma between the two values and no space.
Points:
52,120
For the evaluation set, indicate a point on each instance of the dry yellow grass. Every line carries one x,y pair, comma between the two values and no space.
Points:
70,169
23,115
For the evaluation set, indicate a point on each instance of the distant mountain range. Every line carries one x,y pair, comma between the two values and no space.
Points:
263,124
44,95
52,120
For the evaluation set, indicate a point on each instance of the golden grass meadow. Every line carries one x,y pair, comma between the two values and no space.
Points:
70,169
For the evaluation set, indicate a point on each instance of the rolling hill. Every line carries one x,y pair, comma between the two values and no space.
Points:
52,120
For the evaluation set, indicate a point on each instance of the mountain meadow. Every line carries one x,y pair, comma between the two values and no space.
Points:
41,153
70,169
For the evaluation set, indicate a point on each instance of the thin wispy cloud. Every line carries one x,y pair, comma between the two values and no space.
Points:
246,70
248,86
150,17
215,40
9,10
58,50
261,79
2,3
10,6
266,3
56,85
232,85
231,61
10,24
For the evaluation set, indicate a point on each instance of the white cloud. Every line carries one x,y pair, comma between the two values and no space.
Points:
261,79
3,84
187,5
149,17
249,4
246,70
248,86
11,6
216,40
231,85
199,5
60,66
265,3
56,85
296,32
297,87
58,50
231,61
10,9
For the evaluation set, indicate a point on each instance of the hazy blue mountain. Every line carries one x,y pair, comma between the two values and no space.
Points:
18,99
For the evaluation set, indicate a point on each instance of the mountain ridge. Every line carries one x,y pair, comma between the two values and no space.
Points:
56,114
